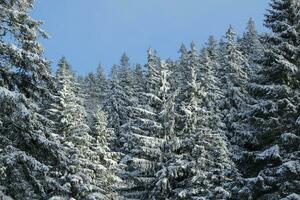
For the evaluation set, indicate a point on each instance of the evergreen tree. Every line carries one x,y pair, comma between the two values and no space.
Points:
233,72
88,92
250,43
86,175
182,128
211,48
120,96
283,19
177,69
146,131
272,153
101,83
207,75
93,89
190,168
138,82
29,152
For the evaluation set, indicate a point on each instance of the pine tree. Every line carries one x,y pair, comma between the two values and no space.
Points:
207,75
283,19
177,69
101,83
190,169
138,81
29,152
93,89
234,74
120,96
250,43
146,131
107,179
86,175
272,153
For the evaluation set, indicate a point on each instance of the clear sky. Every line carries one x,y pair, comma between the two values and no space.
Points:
91,31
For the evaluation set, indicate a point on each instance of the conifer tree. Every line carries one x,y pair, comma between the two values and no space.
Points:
138,82
101,83
146,131
177,69
207,75
234,74
86,176
120,97
29,152
250,43
271,154
190,170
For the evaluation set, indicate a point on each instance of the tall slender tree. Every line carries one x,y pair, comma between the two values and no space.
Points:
29,152
190,170
120,97
146,131
87,175
250,44
271,154
234,74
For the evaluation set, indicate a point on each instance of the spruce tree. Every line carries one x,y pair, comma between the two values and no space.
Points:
146,131
272,154
101,83
196,159
120,96
250,44
207,75
138,81
87,174
29,152
234,74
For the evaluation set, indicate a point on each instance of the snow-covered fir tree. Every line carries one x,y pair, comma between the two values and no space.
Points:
272,154
234,74
101,83
146,131
138,81
197,163
88,174
177,68
207,75
250,44
120,96
93,90
29,152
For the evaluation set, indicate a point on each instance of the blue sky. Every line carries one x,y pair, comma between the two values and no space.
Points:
91,31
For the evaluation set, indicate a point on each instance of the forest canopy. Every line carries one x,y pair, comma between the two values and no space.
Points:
221,122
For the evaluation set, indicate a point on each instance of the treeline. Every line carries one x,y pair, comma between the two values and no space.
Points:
222,122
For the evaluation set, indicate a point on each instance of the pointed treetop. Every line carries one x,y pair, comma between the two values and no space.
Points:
100,71
193,47
138,67
230,35
114,72
251,26
211,47
183,49
124,62
64,64
211,43
151,52
152,55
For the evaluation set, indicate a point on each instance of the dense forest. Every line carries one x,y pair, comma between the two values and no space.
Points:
221,122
